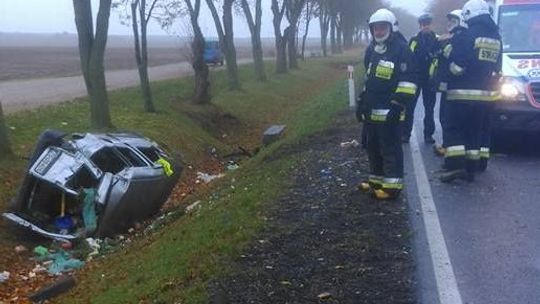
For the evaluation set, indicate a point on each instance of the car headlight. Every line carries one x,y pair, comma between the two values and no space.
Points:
513,90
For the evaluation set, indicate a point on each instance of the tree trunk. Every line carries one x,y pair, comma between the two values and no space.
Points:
202,84
323,23
306,31
92,52
141,53
232,66
291,45
226,37
256,44
280,40
333,44
339,34
5,147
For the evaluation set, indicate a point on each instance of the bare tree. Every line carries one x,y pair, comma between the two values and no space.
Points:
141,12
324,22
309,15
255,29
294,10
5,147
92,52
202,83
278,9
226,37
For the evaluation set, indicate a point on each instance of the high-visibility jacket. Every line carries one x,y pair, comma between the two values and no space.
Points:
475,62
439,70
424,47
391,79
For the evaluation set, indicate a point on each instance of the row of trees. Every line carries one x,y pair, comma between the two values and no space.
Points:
342,20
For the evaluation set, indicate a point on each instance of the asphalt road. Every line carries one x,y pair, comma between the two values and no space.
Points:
19,95
491,228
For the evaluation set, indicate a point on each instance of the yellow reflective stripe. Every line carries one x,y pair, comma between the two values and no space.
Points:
455,151
374,179
433,67
414,44
484,153
167,168
487,43
392,183
447,51
474,95
406,87
456,69
473,154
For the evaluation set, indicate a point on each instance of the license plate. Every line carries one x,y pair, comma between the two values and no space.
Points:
47,161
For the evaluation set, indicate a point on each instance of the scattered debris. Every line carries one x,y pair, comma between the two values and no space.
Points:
60,286
4,276
20,249
191,207
324,296
350,144
205,177
41,251
272,134
94,246
232,166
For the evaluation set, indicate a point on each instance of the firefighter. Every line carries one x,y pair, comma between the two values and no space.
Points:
424,46
439,70
397,35
389,86
475,62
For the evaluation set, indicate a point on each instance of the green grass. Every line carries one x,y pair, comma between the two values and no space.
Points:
176,263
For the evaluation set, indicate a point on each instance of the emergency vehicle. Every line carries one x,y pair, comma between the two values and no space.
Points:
519,22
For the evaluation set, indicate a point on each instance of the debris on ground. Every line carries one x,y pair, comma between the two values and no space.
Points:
350,144
20,249
324,295
191,207
60,286
206,178
232,166
4,276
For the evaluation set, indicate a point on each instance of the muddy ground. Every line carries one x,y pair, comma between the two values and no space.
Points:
325,241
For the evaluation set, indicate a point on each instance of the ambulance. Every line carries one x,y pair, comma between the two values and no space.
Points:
519,22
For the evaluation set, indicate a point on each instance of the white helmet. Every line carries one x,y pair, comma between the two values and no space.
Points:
474,8
457,14
383,15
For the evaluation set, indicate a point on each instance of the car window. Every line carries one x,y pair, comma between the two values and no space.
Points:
108,160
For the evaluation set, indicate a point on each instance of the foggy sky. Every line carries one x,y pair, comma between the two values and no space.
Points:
56,16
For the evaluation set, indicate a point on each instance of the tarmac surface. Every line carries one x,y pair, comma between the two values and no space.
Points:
20,95
491,227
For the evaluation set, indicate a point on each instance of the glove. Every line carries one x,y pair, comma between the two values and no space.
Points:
395,112
360,116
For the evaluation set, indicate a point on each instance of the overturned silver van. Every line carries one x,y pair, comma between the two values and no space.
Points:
92,184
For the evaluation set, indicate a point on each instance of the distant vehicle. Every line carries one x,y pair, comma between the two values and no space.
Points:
519,21
92,184
213,53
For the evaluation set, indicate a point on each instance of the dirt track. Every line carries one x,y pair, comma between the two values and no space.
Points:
29,94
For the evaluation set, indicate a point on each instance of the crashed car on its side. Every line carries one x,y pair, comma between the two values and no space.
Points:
92,184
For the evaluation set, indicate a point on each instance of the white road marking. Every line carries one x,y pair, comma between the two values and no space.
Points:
444,273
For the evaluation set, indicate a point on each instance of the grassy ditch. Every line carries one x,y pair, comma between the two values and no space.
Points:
175,263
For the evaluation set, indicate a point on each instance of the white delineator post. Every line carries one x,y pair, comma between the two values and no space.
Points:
352,96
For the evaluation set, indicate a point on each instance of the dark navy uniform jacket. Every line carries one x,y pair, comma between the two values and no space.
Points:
391,79
424,46
441,72
475,62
